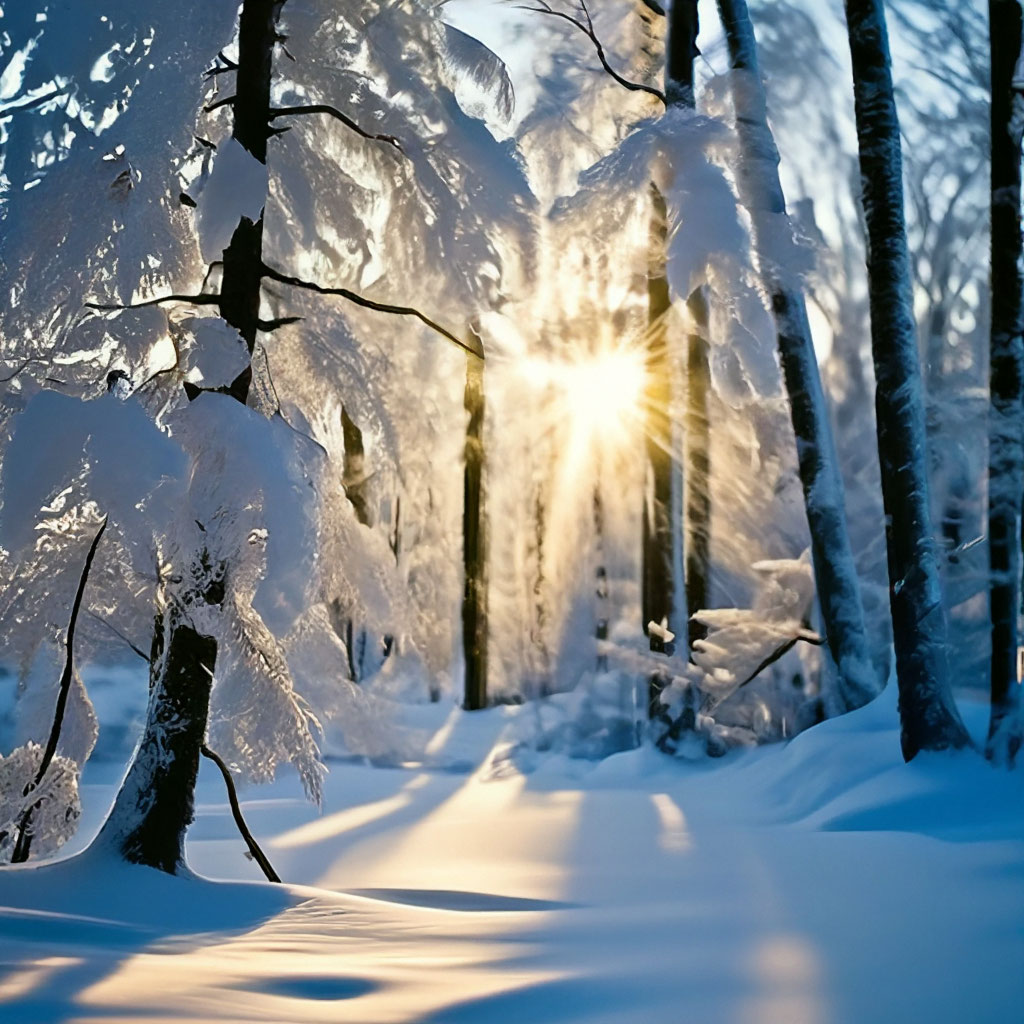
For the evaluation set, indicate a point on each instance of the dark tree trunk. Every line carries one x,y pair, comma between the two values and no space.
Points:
661,519
761,193
928,714
1006,381
600,582
675,536
474,542
154,806
354,469
242,279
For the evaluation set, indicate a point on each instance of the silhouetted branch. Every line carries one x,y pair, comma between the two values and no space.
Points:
587,28
324,108
474,348
113,629
24,840
37,101
816,641
236,812
24,365
202,299
222,102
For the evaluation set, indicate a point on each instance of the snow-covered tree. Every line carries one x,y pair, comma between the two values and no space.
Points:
929,717
1006,375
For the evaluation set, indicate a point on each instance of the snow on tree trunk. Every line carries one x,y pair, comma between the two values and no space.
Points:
761,193
154,806
928,715
474,543
241,284
1006,369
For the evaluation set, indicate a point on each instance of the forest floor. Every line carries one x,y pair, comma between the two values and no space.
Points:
820,881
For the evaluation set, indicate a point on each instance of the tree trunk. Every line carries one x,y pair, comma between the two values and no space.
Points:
661,519
761,193
474,542
154,806
683,28
242,280
677,513
1006,381
928,715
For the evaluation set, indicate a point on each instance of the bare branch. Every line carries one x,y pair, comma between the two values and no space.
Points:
202,299
587,28
24,365
37,101
236,812
222,102
113,629
473,348
24,841
816,641
324,108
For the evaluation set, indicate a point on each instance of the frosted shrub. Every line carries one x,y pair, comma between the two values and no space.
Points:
54,804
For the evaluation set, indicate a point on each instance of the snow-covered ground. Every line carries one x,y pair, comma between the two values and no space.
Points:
819,881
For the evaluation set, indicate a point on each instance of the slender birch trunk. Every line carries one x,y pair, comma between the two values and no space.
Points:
1006,369
928,714
761,193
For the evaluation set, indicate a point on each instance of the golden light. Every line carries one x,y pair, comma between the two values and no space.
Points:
598,396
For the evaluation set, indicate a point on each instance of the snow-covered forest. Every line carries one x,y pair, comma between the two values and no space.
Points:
511,510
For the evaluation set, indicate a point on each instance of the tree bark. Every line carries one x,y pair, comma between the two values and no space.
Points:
928,715
474,542
662,519
760,191
242,280
1006,381
154,806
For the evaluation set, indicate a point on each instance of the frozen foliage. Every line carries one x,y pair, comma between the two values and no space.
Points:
89,199
53,806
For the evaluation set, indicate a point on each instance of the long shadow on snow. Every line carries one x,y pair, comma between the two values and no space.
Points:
66,926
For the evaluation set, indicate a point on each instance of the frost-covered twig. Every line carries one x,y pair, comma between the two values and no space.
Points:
24,840
587,28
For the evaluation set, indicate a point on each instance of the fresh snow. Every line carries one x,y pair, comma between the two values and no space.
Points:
820,881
